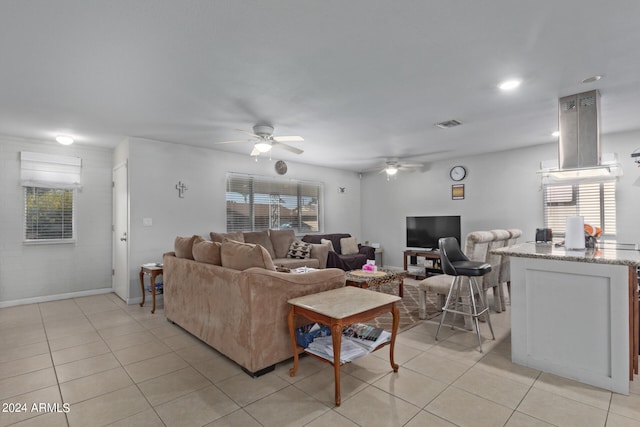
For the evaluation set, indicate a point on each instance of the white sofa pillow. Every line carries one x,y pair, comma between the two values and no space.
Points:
349,246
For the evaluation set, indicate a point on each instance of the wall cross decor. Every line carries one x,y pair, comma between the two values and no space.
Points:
181,189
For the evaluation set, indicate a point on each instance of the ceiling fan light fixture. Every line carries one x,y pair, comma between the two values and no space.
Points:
510,84
262,147
391,170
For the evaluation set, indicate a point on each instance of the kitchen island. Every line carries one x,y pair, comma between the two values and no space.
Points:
575,313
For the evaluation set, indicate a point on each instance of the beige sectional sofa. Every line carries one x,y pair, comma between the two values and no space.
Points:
278,244
231,297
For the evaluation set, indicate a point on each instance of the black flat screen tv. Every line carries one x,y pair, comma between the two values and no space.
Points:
423,232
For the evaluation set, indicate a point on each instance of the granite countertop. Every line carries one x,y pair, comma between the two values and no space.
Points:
601,255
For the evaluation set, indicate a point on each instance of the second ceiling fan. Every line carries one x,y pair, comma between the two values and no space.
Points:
263,140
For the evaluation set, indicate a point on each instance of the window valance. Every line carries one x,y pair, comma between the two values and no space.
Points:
49,170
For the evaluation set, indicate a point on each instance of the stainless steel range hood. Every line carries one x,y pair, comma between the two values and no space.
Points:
579,126
579,155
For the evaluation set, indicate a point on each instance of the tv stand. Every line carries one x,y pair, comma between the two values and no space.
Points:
432,254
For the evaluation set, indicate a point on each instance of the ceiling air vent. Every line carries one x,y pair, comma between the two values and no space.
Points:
449,124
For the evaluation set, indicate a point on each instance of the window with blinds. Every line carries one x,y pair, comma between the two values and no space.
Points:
257,203
596,201
48,214
50,183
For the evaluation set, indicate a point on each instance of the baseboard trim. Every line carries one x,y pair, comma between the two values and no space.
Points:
47,298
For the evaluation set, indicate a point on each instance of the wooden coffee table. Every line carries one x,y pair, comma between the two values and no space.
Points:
363,279
338,308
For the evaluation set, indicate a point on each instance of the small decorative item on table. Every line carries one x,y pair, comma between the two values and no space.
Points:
370,266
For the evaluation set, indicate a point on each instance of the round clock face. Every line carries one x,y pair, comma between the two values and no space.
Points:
281,167
457,173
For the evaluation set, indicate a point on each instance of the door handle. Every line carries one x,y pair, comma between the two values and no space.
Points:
124,237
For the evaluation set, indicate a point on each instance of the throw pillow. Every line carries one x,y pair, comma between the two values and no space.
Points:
183,247
207,251
260,238
219,237
349,246
299,250
329,243
240,256
281,240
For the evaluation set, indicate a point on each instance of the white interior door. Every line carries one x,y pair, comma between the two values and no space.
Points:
120,232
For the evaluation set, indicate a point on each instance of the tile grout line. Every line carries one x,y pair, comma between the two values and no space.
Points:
55,370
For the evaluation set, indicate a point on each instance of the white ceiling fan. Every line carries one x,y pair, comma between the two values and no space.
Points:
392,166
263,140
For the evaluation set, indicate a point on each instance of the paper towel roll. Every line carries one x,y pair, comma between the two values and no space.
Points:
574,234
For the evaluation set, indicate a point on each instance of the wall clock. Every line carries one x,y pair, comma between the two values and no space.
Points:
457,173
281,167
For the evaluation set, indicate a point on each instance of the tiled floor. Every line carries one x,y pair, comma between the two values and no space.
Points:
119,365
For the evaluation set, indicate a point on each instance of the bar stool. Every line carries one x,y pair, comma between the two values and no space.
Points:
455,263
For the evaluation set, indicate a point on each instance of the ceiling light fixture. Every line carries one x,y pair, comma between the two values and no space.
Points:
510,84
556,134
64,140
391,170
262,147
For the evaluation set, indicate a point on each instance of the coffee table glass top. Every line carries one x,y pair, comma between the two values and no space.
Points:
343,302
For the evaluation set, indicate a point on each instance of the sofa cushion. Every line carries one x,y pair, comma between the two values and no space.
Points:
207,251
219,237
335,239
349,246
299,249
260,238
240,256
281,240
183,247
328,243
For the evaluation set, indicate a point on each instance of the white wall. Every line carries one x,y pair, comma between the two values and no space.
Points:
156,167
34,271
502,190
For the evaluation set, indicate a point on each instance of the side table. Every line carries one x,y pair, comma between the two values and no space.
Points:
152,270
338,308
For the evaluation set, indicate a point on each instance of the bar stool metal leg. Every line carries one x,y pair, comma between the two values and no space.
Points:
446,305
454,306
484,303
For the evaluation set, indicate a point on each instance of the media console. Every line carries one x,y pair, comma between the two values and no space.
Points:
413,254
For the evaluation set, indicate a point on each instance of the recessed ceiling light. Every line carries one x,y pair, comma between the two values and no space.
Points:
64,140
591,79
510,84
555,134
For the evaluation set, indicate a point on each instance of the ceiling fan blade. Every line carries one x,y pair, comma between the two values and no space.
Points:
248,133
287,147
410,165
288,138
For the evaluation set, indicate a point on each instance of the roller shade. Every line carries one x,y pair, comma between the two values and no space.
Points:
49,170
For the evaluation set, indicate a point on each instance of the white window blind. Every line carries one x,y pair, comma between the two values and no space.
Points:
596,201
49,214
50,182
257,203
